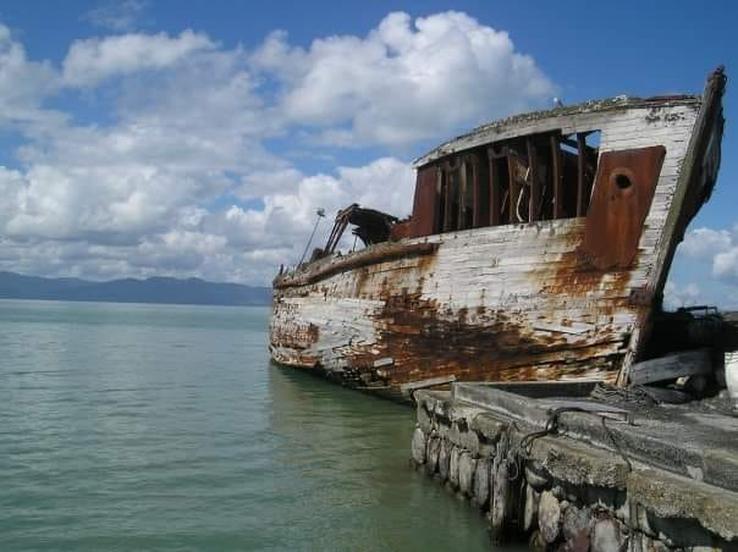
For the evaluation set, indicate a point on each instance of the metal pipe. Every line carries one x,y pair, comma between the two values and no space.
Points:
321,213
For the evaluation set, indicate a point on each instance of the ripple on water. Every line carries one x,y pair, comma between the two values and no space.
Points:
138,427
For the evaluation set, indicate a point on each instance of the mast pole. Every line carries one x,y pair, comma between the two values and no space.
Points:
321,213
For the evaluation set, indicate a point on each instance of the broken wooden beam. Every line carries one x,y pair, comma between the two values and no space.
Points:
687,363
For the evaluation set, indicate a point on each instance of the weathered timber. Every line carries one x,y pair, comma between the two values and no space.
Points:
529,297
673,366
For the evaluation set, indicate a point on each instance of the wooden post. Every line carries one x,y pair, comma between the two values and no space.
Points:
513,189
535,189
495,187
461,220
439,207
476,192
558,183
447,204
581,152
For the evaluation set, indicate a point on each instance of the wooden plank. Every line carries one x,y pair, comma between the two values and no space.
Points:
430,382
689,363
574,122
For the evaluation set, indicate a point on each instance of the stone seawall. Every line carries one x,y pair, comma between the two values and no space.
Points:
563,493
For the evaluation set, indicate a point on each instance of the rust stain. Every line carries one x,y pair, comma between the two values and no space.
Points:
426,339
425,343
624,188
298,337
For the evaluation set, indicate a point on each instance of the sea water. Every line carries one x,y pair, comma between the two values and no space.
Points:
152,427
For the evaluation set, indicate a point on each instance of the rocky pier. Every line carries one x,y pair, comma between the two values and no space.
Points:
547,464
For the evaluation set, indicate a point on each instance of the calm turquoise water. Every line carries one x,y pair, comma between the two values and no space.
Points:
142,427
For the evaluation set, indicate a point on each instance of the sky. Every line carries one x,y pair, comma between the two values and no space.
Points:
198,138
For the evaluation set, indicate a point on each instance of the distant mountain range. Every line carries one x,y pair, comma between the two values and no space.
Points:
191,291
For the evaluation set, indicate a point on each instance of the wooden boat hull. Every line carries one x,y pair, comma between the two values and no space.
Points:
531,301
505,303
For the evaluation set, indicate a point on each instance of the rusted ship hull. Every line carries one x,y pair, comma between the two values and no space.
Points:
566,298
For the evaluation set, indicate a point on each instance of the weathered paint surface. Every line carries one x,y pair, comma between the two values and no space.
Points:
511,302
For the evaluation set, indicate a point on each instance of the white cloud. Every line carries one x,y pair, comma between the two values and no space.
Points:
725,264
288,216
720,247
118,15
705,243
178,178
677,296
406,80
23,84
93,60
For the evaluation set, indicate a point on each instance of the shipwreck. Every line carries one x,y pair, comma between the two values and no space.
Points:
537,249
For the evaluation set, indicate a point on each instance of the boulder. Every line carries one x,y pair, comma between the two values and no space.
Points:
549,516
418,445
467,467
481,483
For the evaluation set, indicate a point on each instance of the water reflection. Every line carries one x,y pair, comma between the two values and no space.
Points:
349,452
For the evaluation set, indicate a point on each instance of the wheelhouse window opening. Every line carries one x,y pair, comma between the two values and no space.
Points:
535,178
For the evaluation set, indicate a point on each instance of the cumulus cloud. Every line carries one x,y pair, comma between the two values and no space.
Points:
718,247
23,84
705,243
285,222
182,176
406,80
677,296
93,60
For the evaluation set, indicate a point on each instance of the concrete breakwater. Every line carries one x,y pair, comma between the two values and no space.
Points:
592,484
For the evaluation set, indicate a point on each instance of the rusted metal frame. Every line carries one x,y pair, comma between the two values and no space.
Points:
338,231
534,200
558,183
329,244
581,152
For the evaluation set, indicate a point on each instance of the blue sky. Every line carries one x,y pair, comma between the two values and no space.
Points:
196,138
